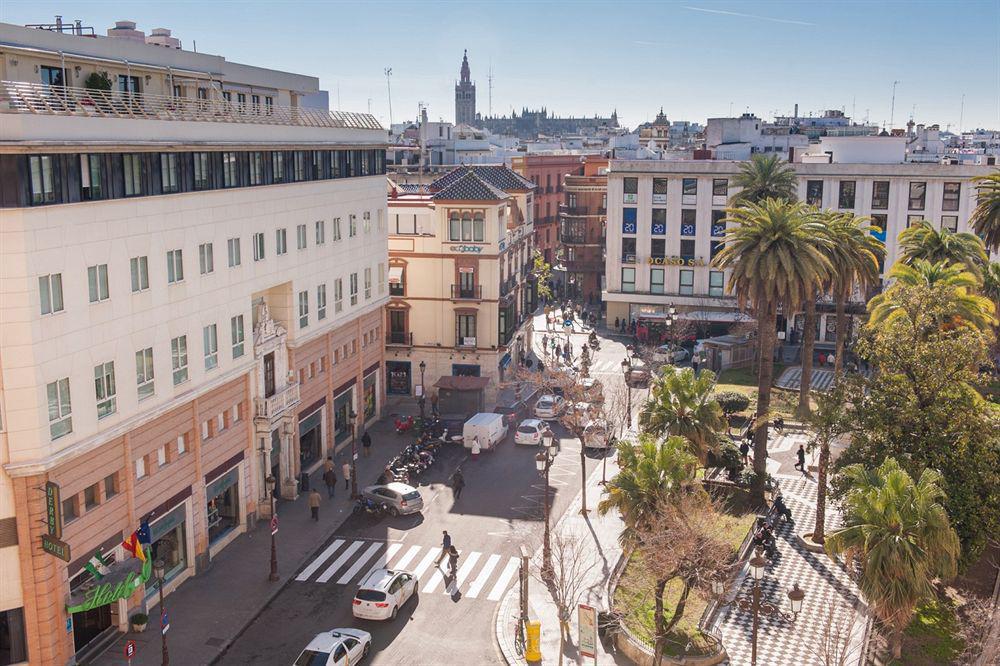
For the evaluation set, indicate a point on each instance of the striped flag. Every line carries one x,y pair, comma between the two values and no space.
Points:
97,566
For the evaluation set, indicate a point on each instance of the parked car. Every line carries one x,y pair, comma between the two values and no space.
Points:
593,389
382,592
488,427
549,406
337,647
516,407
530,432
400,498
671,354
638,374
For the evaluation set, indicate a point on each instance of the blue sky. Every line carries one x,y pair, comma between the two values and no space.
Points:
696,58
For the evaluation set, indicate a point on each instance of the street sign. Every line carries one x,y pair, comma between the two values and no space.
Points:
274,524
164,623
129,649
53,509
54,546
588,631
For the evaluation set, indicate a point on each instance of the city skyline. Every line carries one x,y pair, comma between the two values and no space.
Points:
932,81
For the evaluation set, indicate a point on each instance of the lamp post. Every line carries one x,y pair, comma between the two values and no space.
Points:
421,400
626,367
270,481
351,422
158,571
753,603
543,462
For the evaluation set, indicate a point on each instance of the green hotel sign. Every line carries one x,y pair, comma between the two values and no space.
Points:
54,546
53,509
121,583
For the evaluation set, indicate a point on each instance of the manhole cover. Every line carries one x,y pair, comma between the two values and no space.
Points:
215,642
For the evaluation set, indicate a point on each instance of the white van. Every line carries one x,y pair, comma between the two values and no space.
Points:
490,428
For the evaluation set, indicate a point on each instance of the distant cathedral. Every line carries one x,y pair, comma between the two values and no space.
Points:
465,96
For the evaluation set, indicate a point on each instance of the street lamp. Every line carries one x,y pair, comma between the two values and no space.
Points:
352,419
158,572
420,401
626,367
752,602
270,482
543,462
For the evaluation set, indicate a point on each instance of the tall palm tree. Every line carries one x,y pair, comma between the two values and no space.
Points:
682,404
650,472
809,335
923,241
950,282
985,218
991,282
764,177
897,531
854,253
774,251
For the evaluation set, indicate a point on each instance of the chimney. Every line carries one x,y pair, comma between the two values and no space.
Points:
58,23
796,110
78,27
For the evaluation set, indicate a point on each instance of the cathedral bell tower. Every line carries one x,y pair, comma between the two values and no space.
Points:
465,96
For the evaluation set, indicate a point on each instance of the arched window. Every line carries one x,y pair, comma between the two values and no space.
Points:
454,227
477,228
467,227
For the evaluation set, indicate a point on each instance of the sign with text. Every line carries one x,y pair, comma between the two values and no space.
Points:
588,631
53,509
474,249
676,261
53,546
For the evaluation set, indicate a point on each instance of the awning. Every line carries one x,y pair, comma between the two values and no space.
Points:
505,360
709,315
395,275
462,383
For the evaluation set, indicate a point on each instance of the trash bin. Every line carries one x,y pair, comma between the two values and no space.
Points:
532,640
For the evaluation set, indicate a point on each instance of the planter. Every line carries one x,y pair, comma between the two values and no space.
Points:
138,628
805,540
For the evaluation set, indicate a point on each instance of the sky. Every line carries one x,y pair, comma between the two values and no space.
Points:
695,58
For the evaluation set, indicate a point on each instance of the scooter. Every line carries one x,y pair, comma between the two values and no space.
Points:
369,507
403,424
594,342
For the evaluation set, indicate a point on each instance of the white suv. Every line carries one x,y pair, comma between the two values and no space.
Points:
381,594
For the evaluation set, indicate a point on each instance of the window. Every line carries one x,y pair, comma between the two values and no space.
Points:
338,295
277,166
913,219
687,248
628,250
179,359
628,280
317,165
91,177
336,229
656,280
161,456
70,510
258,246
629,220
210,342
814,192
688,225
918,195
366,222
140,468
880,194
175,266
949,222
454,227
206,258
847,191
320,232
299,166
354,288
952,192
144,372
689,187
60,408
300,236
97,282
465,330
352,226
104,385
238,337
202,176
280,241
181,445
718,223
660,190
50,293
303,309
110,486
91,497
720,187
42,186
686,286
321,302
140,273
132,173
368,283
168,173
233,248
230,169
256,167
658,247
716,283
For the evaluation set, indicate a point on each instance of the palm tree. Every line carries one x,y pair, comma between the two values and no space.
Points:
809,337
650,472
991,282
985,218
682,404
923,241
897,532
774,251
829,422
854,253
943,281
764,177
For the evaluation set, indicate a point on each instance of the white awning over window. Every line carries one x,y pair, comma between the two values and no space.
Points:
395,275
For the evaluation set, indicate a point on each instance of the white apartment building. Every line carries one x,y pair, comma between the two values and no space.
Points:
194,275
666,224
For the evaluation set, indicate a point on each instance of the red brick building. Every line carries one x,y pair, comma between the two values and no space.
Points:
548,173
582,231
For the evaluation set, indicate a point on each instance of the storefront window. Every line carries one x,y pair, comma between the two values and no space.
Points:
169,543
342,406
13,648
310,439
370,397
223,505
398,373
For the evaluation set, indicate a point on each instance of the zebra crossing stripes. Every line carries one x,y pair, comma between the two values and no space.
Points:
405,559
501,585
383,559
318,562
339,562
426,562
463,572
483,576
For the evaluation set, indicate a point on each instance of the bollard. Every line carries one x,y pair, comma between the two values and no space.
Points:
533,641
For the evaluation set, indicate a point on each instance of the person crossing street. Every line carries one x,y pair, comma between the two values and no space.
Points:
445,546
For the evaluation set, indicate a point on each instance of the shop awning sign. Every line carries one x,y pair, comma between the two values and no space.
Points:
121,582
54,546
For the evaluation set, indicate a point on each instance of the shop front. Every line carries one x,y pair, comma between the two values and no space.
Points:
168,537
343,405
311,438
371,395
397,377
223,505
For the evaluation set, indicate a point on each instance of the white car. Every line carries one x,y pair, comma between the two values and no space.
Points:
530,432
337,647
670,354
549,406
382,592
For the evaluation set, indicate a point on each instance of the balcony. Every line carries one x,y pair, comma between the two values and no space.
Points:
269,408
399,338
464,293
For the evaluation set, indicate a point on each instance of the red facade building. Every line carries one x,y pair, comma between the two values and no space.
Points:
548,173
582,232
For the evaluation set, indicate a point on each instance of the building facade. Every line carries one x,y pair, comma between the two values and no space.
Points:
465,95
582,230
666,222
530,124
195,274
548,173
459,278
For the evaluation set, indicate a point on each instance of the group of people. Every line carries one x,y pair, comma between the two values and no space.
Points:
558,351
624,326
330,477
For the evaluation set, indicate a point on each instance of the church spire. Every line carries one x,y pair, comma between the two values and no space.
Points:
465,66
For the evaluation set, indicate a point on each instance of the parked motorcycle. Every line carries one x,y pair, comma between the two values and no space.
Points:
370,507
403,424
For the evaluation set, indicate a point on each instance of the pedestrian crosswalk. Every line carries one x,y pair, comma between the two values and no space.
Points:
345,561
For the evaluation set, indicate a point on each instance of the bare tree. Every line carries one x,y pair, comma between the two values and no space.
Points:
835,644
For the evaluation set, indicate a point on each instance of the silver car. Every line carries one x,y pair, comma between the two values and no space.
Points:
399,497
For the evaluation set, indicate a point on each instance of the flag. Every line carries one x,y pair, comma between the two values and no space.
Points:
143,533
132,545
97,566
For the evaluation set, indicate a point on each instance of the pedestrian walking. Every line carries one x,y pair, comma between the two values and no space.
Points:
328,463
330,479
366,444
453,560
779,424
445,546
801,455
745,452
616,323
457,483
346,468
476,448
545,342
314,500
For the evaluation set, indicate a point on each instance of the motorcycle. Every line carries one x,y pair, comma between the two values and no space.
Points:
594,342
369,507
403,424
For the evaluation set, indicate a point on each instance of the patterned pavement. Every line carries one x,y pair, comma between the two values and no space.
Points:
831,597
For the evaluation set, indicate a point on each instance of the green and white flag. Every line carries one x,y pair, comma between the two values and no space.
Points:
97,566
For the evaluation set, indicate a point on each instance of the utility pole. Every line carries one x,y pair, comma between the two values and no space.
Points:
490,77
961,117
388,85
892,106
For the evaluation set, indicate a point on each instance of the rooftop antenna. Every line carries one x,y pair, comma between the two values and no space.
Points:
388,85
892,106
730,109
961,115
490,78
913,111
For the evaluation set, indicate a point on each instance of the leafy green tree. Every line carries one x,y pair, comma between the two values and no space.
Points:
985,218
829,422
543,274
774,251
731,402
897,532
991,283
682,404
922,241
764,177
